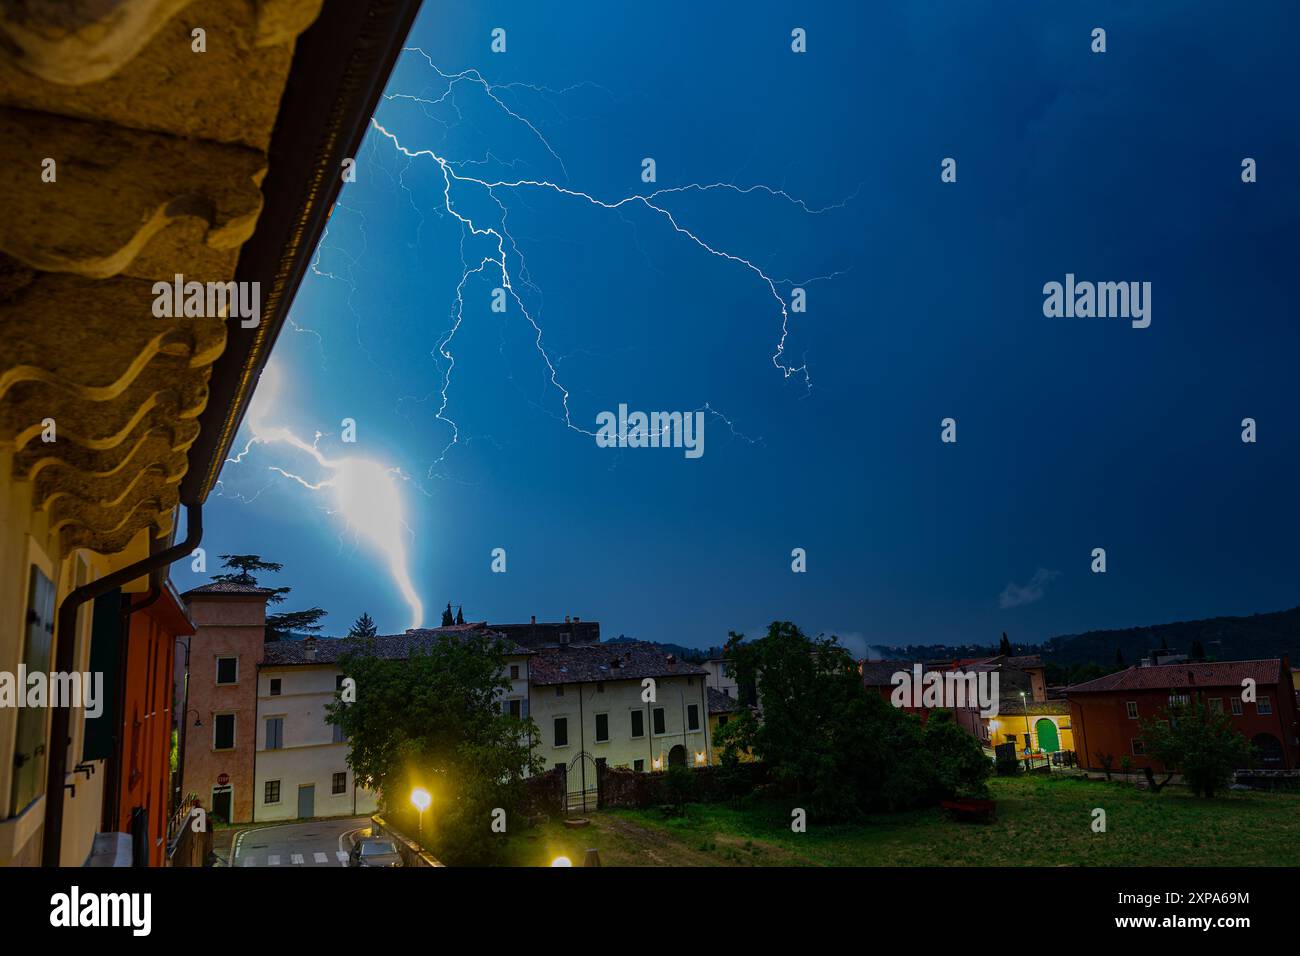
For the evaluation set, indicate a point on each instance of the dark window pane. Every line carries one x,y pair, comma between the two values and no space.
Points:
602,727
561,731
638,724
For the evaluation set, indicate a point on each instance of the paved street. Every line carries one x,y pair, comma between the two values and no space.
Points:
316,843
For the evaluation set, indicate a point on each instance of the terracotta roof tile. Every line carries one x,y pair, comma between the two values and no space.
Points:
328,650
1173,676
583,663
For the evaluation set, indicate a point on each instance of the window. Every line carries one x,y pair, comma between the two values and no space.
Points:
1179,700
1216,704
340,783
659,720
561,731
223,732
1132,707
516,708
227,670
1236,706
271,791
274,733
1139,748
692,716
638,766
559,690
1264,706
275,687
514,672
339,736
602,728
638,724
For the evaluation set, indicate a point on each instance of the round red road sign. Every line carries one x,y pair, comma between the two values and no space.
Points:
223,779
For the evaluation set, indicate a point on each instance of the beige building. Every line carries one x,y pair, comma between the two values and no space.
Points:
627,705
301,767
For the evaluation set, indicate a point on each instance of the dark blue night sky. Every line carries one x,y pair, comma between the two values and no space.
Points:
924,302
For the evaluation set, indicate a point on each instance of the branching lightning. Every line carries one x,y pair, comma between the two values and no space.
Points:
365,493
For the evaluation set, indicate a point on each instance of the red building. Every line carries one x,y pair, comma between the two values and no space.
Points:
1107,713
144,741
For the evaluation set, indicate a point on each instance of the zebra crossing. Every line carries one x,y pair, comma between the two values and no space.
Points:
318,858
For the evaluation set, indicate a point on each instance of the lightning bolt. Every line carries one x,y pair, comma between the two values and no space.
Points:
507,261
365,493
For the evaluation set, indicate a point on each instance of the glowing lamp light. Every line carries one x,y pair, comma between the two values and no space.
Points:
993,725
420,797
561,861
699,756
658,764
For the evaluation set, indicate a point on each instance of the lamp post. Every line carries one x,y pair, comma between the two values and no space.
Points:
1028,734
420,797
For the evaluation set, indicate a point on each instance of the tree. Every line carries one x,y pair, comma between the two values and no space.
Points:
282,625
433,721
364,626
1005,647
1198,650
279,625
460,617
1200,743
447,619
1119,657
839,749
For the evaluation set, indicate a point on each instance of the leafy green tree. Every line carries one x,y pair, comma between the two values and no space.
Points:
1200,743
433,721
839,749
679,787
364,626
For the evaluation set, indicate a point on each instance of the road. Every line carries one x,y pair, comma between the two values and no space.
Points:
315,843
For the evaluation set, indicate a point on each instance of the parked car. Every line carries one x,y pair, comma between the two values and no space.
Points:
373,851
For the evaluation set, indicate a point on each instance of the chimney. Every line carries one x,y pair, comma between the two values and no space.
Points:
576,619
309,648
566,619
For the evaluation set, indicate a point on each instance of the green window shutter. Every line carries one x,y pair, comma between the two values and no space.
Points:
106,643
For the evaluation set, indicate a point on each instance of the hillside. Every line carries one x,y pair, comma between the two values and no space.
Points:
1224,638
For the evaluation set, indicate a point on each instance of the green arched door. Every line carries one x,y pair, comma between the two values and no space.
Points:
1047,739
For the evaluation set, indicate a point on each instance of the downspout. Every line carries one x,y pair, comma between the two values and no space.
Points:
66,624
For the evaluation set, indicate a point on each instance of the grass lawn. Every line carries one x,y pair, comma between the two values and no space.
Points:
1041,821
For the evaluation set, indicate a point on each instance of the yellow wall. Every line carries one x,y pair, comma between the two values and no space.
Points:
26,540
997,729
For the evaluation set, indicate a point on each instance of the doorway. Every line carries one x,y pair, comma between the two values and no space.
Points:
306,800
222,801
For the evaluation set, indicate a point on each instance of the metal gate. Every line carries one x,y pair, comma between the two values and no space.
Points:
581,786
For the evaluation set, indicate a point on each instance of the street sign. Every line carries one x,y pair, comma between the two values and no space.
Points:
223,779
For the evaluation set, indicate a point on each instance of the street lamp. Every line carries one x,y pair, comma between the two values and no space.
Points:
1029,737
420,797
561,861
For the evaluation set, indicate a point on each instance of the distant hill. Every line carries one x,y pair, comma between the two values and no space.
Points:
1224,638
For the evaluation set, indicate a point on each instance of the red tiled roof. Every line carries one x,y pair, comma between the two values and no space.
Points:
583,663
1172,676
228,587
